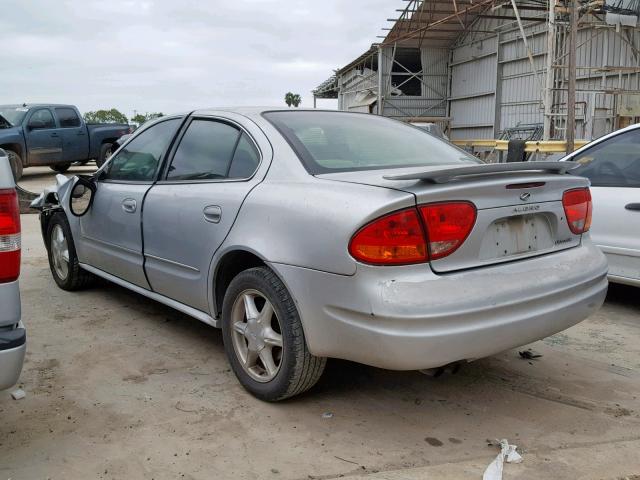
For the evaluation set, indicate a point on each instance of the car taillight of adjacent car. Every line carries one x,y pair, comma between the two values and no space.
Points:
9,236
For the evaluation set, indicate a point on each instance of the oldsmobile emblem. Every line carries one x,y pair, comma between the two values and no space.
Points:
524,196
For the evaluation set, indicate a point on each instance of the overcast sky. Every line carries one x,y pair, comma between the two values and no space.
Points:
163,55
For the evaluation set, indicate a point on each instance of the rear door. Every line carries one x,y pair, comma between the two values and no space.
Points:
75,141
613,166
188,214
44,143
111,235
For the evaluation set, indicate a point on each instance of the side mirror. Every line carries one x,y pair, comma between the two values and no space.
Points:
81,196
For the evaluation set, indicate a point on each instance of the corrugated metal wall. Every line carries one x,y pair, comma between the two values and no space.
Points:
492,82
492,85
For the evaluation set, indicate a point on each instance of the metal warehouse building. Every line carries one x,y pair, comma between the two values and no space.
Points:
492,69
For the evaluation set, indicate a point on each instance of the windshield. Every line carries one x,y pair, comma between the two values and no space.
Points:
13,115
342,142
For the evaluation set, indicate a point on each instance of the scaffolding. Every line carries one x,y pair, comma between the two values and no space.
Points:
566,68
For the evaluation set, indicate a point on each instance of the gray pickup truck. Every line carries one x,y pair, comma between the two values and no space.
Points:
53,135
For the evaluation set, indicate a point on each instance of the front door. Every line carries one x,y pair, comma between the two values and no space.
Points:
75,141
613,166
44,143
188,213
111,236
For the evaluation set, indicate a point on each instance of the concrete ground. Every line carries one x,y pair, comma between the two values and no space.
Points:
35,179
121,387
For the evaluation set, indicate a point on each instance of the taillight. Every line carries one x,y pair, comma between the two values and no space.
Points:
448,226
400,238
9,235
394,239
577,208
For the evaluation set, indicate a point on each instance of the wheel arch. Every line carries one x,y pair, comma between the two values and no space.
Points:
16,147
230,264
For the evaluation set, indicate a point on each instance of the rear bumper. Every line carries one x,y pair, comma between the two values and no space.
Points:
408,318
13,345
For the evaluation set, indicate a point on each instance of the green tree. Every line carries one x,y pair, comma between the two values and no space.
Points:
105,116
140,118
292,99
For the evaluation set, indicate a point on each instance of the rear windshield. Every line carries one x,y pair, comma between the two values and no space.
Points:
342,142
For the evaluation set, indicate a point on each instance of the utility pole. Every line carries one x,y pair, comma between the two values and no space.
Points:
571,90
549,84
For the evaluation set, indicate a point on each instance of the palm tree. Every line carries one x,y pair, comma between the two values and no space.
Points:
292,99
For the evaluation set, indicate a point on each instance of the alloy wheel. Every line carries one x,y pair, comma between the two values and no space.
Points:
256,335
60,252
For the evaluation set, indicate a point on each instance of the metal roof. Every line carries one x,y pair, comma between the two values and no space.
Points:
434,22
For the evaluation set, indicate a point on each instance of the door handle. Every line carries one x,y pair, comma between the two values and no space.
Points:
632,206
54,134
129,205
80,133
212,213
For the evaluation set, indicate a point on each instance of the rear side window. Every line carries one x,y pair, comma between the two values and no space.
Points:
245,159
612,163
211,150
337,141
67,117
138,160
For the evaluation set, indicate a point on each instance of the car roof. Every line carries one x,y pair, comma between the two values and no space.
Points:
31,105
257,111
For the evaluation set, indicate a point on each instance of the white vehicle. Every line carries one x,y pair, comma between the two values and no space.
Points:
13,336
612,163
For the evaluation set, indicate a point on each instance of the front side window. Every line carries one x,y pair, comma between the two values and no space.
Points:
612,163
41,119
212,150
138,160
337,142
67,117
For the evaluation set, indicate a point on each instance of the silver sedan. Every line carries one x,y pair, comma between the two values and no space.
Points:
313,234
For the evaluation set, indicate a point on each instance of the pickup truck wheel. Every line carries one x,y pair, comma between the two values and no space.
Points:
63,260
16,164
60,168
263,337
105,152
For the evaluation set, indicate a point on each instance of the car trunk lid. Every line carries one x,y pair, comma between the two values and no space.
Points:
519,206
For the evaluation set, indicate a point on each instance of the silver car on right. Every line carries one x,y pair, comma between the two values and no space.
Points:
612,163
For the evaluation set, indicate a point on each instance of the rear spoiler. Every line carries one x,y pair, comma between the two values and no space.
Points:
449,174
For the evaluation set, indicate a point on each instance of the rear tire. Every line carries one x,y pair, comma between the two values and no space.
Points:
105,152
16,164
60,167
63,260
276,336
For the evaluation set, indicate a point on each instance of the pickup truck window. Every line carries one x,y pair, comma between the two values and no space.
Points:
139,159
41,119
67,117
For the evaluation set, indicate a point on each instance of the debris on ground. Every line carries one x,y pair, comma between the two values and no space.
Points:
18,394
327,415
529,354
508,453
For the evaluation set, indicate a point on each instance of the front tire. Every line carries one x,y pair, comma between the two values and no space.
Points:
16,164
105,152
63,260
263,337
60,167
